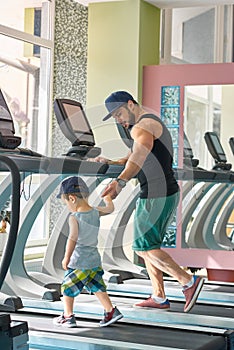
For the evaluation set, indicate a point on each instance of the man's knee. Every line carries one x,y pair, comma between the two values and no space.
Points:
140,253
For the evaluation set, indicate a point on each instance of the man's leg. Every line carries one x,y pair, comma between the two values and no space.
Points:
156,277
158,299
163,262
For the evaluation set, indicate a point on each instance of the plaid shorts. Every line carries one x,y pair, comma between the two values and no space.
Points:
75,280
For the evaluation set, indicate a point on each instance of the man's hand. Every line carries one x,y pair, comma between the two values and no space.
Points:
113,189
99,160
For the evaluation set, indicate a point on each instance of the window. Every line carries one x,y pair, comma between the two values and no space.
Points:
197,35
25,70
26,80
29,16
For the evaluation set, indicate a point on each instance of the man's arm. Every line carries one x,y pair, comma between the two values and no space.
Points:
143,143
71,241
100,159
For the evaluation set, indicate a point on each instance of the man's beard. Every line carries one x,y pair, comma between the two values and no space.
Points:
131,119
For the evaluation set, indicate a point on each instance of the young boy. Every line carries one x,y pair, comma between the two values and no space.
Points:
82,260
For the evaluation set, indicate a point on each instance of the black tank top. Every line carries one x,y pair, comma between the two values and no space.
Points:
157,176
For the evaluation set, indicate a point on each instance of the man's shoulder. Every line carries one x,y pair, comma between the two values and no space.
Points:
149,116
149,123
148,120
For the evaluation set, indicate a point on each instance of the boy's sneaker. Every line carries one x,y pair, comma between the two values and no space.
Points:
150,303
191,294
111,317
68,322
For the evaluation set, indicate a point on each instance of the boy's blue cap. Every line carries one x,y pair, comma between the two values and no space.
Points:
73,184
115,101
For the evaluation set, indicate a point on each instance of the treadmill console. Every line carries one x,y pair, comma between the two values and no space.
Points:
7,130
75,127
216,150
231,143
189,159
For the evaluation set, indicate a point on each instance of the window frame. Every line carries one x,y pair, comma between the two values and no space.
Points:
47,44
223,43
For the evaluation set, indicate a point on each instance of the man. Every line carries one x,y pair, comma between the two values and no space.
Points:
150,160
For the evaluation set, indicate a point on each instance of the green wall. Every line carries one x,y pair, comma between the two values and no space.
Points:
113,36
149,40
123,36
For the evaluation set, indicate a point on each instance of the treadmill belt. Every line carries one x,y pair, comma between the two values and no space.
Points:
130,334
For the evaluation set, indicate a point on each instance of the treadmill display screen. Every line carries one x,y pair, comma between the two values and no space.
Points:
188,153
215,147
6,121
73,122
76,117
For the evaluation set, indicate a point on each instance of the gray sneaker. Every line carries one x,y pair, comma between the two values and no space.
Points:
67,322
111,317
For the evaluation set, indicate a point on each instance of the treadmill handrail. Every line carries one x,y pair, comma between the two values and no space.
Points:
12,236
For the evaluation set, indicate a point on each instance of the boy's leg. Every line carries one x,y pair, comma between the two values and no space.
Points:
68,305
71,287
111,314
67,319
104,299
97,286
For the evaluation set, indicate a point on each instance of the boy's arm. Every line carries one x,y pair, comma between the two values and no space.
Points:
109,208
71,241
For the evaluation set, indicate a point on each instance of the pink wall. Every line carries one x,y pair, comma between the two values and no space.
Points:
154,77
191,74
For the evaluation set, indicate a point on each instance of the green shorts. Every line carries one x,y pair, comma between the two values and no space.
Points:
152,217
90,279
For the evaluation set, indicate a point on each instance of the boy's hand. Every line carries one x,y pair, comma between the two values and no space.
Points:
65,263
107,199
112,190
109,206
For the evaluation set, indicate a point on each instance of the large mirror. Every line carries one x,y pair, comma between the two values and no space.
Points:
209,108
210,208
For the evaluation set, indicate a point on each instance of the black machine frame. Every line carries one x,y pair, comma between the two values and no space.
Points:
77,130
216,150
231,143
7,129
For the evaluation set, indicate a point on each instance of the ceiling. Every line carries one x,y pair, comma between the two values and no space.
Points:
172,3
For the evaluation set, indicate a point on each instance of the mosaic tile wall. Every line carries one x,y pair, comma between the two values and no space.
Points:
70,60
170,114
70,71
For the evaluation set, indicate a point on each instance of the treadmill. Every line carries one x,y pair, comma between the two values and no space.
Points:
198,330
226,204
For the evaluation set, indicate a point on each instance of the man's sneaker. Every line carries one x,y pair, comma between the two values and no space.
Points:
111,317
68,322
150,303
191,294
